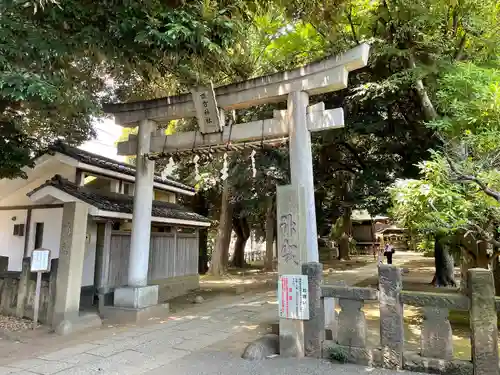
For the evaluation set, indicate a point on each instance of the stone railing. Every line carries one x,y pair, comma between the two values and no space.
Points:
346,333
17,292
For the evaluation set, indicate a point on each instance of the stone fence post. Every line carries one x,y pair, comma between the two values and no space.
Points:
391,316
22,287
54,265
483,322
314,328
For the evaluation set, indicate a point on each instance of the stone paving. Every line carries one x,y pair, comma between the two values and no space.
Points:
183,345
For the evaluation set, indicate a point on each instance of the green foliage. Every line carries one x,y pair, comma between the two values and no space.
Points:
59,60
426,246
451,196
338,354
436,203
469,100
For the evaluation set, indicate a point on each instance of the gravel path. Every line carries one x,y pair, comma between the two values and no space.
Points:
13,324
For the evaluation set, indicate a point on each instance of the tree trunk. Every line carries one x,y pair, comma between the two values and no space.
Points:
467,262
346,231
242,231
200,207
496,275
219,261
203,252
427,106
496,266
444,264
270,219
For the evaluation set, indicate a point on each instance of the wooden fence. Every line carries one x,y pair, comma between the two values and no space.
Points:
171,255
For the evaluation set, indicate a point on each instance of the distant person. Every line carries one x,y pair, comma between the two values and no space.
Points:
388,252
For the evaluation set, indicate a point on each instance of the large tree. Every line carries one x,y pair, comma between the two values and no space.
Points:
457,198
59,60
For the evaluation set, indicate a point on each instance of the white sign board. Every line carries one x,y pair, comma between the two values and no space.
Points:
40,260
207,112
293,297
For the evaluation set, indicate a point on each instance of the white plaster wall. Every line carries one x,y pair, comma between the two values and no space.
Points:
52,221
10,245
90,253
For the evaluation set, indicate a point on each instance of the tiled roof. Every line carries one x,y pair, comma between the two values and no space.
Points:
109,164
115,202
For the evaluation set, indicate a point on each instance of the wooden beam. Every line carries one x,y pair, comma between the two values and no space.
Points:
27,231
33,207
263,129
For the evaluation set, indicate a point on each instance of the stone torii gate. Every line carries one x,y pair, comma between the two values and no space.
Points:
209,106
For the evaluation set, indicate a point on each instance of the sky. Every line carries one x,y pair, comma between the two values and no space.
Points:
104,143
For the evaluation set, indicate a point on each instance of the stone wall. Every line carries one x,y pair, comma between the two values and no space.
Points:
17,292
346,333
176,286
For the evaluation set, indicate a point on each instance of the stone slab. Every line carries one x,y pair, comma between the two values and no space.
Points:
314,328
349,292
68,353
414,362
123,315
176,286
441,300
136,297
51,367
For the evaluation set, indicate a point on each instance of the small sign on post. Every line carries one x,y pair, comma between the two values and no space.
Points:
293,297
40,263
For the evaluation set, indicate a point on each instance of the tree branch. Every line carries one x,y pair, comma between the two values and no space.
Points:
460,49
487,236
469,178
349,18
427,106
353,151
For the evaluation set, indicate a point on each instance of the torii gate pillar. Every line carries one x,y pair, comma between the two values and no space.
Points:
301,169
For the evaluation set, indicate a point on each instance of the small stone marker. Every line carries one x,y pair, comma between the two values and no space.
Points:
40,263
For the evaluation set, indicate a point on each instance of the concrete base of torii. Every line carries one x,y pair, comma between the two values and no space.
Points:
134,305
